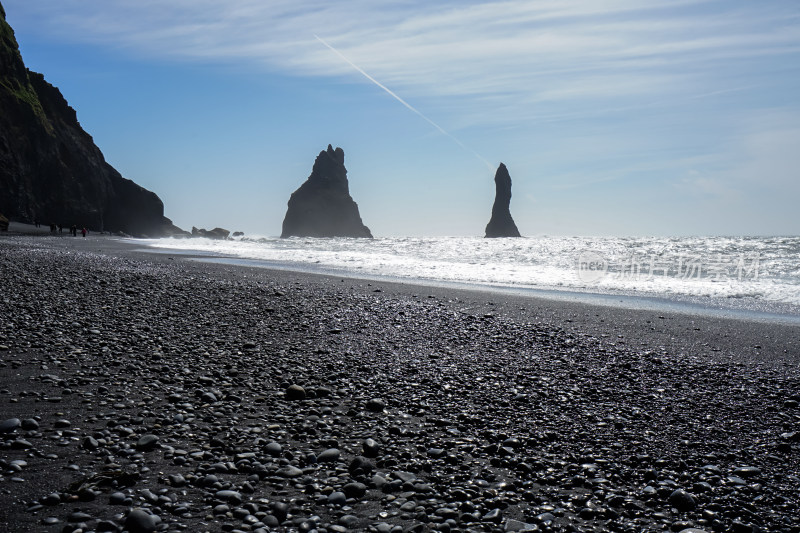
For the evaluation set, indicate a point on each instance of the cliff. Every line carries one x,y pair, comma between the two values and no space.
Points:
501,224
50,168
322,206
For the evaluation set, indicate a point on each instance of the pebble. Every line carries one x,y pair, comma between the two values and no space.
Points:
290,471
9,425
375,405
682,500
295,392
337,498
329,455
147,442
139,521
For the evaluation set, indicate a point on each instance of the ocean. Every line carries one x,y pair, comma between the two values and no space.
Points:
755,275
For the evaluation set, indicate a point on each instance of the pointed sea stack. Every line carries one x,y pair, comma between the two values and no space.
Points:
50,169
501,224
322,206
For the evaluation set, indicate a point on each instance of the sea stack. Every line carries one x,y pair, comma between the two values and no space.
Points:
322,206
501,223
50,169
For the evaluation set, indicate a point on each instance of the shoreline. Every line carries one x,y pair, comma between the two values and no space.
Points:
714,307
425,408
641,302
710,307
738,335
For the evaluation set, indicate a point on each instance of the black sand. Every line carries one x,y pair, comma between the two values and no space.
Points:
148,381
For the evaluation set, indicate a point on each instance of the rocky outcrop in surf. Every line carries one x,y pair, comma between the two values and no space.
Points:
50,169
219,234
501,224
322,206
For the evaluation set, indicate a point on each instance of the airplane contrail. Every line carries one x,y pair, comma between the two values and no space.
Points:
406,104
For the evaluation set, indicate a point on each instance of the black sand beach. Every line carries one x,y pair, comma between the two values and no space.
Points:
149,392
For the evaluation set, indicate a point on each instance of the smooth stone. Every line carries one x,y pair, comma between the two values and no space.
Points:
7,426
516,525
80,516
138,521
147,442
436,453
295,392
273,448
290,471
52,499
376,405
371,448
30,424
208,397
230,496
337,498
361,463
354,490
747,472
329,455
682,501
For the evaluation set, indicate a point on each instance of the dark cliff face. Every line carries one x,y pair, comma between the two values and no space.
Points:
50,168
501,223
322,206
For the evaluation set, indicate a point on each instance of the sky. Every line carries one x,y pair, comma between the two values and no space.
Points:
619,117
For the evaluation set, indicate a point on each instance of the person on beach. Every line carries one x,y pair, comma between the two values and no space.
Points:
74,230
84,232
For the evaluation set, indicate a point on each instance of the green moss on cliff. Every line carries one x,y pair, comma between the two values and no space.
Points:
11,84
25,94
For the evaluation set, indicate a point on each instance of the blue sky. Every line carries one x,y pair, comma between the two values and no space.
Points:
619,117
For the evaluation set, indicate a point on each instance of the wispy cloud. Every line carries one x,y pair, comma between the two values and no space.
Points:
518,52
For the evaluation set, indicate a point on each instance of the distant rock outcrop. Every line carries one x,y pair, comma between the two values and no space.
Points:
50,168
322,206
501,223
219,234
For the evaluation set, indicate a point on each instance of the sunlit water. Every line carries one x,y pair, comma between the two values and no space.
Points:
751,273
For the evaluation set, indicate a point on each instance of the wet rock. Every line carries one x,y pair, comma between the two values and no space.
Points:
682,500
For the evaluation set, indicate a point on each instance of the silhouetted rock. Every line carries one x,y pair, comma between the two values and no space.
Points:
501,223
322,206
216,233
51,170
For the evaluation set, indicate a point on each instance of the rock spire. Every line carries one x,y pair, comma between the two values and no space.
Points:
501,223
322,206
